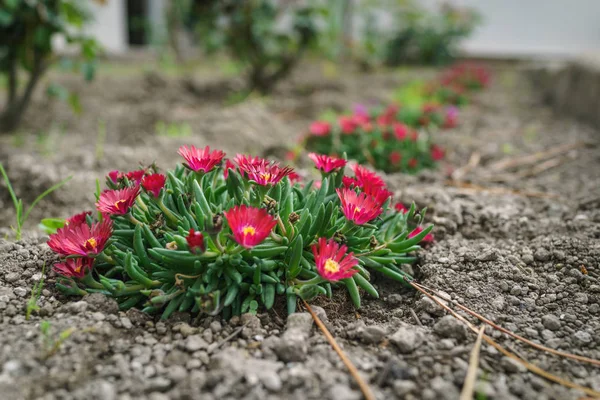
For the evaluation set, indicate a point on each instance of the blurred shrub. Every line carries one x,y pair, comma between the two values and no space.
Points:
426,37
268,38
27,30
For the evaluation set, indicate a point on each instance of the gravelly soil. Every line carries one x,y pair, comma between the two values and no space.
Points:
530,264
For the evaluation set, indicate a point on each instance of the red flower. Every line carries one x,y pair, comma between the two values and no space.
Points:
195,241
400,131
264,172
117,201
294,177
360,119
359,208
412,163
395,157
249,225
414,136
349,182
74,267
228,165
348,124
115,175
364,174
154,183
401,208
320,128
427,239
332,261
81,239
327,163
78,219
437,153
200,159
136,176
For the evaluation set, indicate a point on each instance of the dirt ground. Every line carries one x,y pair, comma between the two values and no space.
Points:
520,245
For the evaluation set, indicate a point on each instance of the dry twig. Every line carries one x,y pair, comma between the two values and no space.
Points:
531,367
514,335
513,162
364,387
474,161
470,188
469,386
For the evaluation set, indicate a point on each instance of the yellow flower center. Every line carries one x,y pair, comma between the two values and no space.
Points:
249,230
78,269
332,266
119,203
266,176
91,244
356,210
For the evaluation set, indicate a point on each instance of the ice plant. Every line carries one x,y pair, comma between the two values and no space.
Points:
426,239
215,244
195,241
359,208
117,201
154,183
398,137
201,159
74,267
82,239
332,261
327,163
250,226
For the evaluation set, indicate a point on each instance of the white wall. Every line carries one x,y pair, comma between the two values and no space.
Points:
535,27
110,25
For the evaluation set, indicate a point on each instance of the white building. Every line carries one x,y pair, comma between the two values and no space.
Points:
510,28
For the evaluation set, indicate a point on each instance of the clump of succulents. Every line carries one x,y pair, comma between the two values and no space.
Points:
222,236
385,138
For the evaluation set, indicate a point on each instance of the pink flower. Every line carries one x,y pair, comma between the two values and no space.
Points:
359,208
78,219
412,163
363,175
400,130
117,202
437,153
264,172
320,128
154,183
348,124
427,239
74,267
250,226
81,239
195,241
327,163
332,261
201,159
246,163
294,177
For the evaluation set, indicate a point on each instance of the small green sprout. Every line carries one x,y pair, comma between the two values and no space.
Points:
36,292
21,214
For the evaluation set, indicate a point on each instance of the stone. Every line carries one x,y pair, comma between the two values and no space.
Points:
195,343
407,338
582,338
551,322
450,327
404,387
444,389
102,303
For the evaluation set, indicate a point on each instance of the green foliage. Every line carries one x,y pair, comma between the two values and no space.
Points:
36,292
51,343
21,214
173,129
426,37
256,34
148,261
27,29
